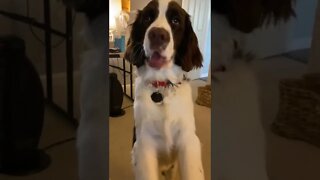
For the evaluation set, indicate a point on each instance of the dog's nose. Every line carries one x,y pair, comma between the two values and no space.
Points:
159,38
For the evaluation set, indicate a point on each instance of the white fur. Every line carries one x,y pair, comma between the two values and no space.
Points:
239,140
91,135
167,130
223,39
165,133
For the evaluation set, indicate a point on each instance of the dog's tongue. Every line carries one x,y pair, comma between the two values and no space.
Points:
156,60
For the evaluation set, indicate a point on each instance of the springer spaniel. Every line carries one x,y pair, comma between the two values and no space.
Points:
239,140
234,19
164,47
92,135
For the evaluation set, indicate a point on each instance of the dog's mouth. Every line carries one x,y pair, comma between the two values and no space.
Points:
156,60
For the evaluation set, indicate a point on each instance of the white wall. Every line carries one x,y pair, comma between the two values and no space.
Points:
140,4
295,34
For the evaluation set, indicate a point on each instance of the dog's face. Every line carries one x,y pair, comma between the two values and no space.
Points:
161,36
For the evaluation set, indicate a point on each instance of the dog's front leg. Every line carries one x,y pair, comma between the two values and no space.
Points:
145,162
171,174
189,157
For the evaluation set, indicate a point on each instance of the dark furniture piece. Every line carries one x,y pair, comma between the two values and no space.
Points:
21,111
116,96
48,32
125,72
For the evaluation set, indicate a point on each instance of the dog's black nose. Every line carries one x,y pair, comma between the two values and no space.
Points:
159,38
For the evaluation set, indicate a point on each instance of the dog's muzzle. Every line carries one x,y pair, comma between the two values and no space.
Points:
159,39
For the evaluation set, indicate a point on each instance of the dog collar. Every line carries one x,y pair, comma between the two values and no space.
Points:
167,83
164,84
156,96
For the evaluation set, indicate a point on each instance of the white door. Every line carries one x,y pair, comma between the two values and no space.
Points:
200,11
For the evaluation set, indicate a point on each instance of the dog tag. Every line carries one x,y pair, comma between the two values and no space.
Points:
156,97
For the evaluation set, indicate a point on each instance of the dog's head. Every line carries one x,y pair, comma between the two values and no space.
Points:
161,36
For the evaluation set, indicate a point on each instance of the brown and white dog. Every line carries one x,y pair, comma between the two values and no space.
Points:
164,48
92,135
239,140
234,19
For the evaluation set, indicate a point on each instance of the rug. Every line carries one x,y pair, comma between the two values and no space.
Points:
299,109
204,96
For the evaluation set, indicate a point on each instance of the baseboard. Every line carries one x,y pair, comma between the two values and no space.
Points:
300,43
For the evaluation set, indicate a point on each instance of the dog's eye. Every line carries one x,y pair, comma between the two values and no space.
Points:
175,21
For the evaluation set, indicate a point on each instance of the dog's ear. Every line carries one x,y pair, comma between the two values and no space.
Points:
188,53
134,50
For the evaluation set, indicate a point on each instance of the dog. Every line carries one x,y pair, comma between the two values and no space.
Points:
234,19
239,140
238,135
92,132
163,47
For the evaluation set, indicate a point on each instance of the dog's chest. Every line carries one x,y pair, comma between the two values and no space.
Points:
163,122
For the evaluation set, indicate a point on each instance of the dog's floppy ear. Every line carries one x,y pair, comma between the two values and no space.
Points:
134,50
188,53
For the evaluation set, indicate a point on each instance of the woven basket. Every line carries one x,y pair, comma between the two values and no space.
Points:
204,96
299,109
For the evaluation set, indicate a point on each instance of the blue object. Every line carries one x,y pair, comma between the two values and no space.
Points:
120,43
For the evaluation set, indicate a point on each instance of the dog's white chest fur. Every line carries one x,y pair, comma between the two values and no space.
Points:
163,131
163,122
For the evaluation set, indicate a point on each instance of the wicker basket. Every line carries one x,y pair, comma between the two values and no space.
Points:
312,79
204,96
299,110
